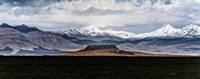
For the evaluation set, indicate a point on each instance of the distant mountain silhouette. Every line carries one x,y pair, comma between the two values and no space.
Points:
25,29
5,25
22,28
17,39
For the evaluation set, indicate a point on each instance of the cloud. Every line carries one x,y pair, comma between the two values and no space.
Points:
105,14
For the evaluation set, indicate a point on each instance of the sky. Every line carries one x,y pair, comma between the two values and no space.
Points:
135,16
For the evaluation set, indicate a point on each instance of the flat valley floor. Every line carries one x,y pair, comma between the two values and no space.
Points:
99,67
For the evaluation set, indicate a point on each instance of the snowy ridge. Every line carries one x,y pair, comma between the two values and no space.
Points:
170,31
94,31
165,31
191,30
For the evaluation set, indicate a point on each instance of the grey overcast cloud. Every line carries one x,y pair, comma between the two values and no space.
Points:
135,16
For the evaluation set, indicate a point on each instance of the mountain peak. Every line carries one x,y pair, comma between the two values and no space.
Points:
26,29
22,28
166,29
23,25
88,30
4,25
168,26
191,30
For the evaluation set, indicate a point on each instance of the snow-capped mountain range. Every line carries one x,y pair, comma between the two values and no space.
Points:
23,39
165,31
92,31
170,31
165,40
